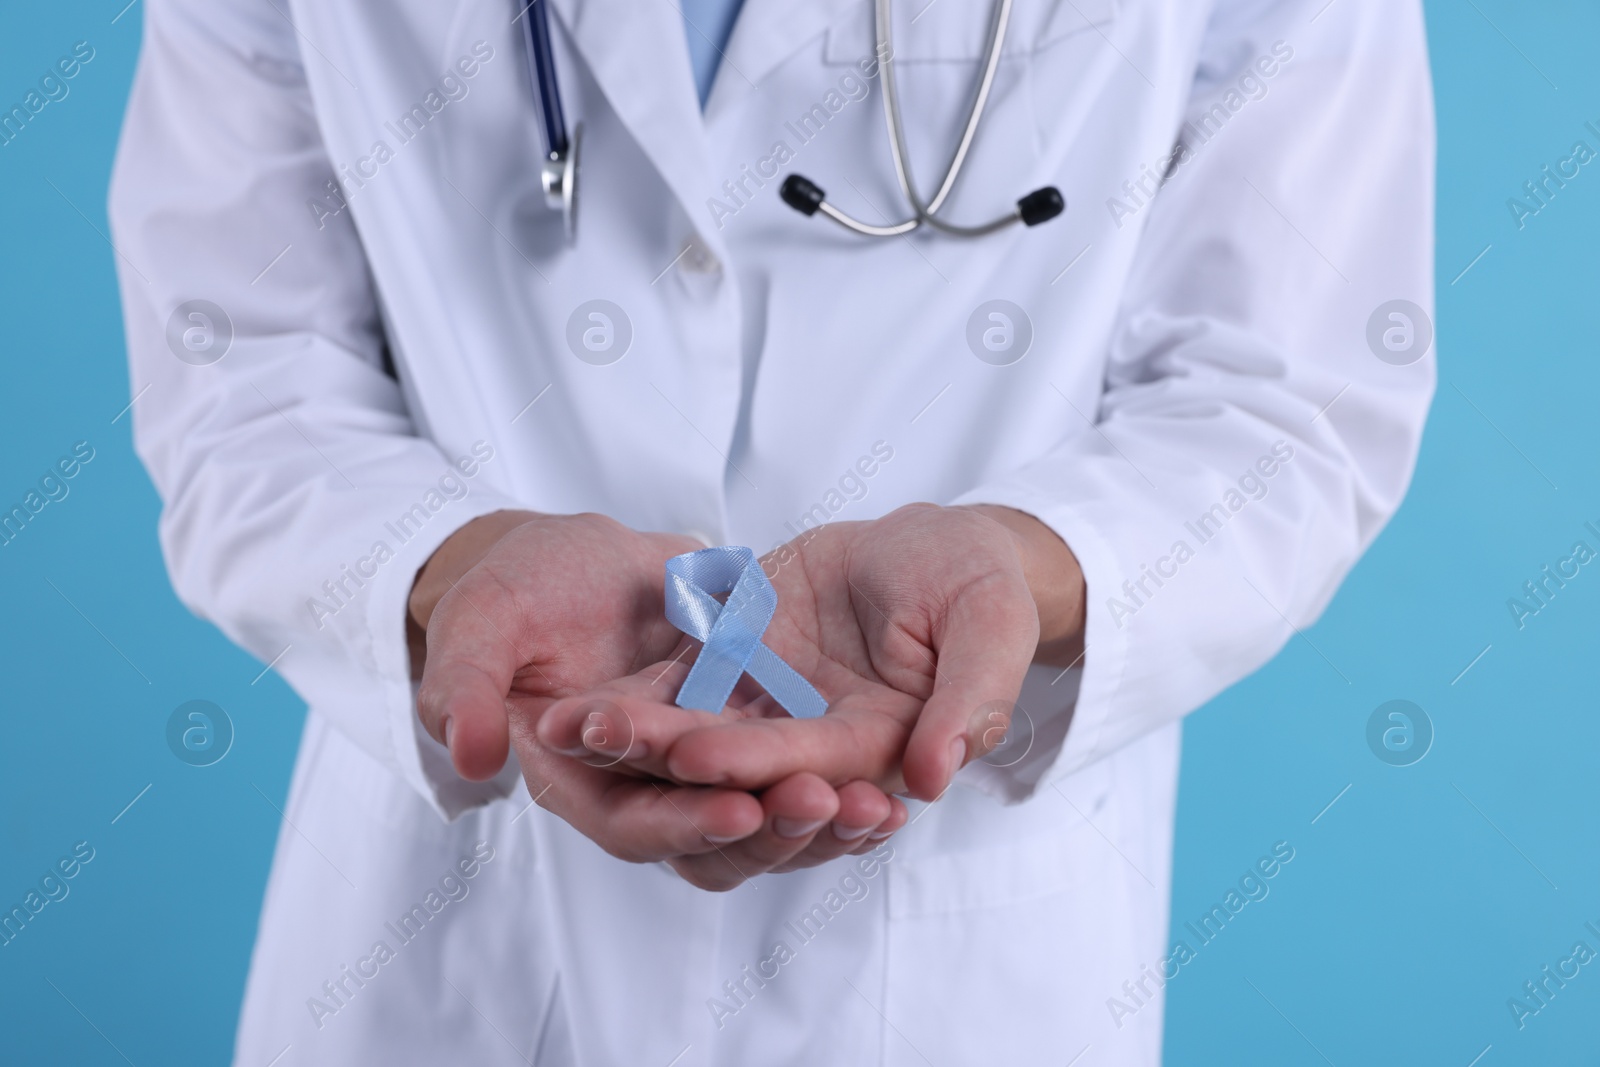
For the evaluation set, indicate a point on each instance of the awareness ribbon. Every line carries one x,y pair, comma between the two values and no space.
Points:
731,632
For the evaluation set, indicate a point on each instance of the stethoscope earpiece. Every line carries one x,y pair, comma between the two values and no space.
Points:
808,198
1041,205
802,194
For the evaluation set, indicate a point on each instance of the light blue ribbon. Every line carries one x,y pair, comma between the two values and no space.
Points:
731,632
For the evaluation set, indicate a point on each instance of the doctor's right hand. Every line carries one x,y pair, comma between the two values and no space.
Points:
519,604
715,838
517,610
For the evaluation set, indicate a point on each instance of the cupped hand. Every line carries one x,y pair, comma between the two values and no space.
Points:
533,607
917,628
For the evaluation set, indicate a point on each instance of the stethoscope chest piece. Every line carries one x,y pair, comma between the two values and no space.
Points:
558,176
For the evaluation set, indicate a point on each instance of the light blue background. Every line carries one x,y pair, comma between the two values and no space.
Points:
1415,906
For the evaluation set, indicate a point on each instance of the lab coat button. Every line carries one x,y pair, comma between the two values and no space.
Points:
698,259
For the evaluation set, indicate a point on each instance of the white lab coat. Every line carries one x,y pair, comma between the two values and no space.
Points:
1176,341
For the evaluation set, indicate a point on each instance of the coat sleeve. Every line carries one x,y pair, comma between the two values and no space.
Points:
298,497
1249,443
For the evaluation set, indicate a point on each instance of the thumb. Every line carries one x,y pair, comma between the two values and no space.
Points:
983,648
467,676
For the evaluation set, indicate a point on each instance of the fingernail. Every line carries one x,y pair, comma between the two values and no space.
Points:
958,755
990,724
722,840
445,726
850,833
597,732
792,828
880,835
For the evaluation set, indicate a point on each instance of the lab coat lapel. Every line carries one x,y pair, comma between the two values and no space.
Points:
767,33
637,54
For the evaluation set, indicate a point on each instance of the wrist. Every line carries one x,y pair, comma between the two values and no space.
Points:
458,554
1054,578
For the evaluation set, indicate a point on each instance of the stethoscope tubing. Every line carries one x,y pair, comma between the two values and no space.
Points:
560,168
927,213
542,70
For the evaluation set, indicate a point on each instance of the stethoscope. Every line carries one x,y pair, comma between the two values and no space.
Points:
558,175
559,172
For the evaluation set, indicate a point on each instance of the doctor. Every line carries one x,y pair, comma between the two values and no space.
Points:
425,439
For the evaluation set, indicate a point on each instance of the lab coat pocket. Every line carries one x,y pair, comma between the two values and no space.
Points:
956,31
975,853
995,954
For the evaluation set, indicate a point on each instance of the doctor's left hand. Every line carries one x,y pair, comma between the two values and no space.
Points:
917,628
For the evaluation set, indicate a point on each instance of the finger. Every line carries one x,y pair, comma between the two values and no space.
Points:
899,818
468,672
851,741
984,647
649,821
634,820
796,809
863,807
628,722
